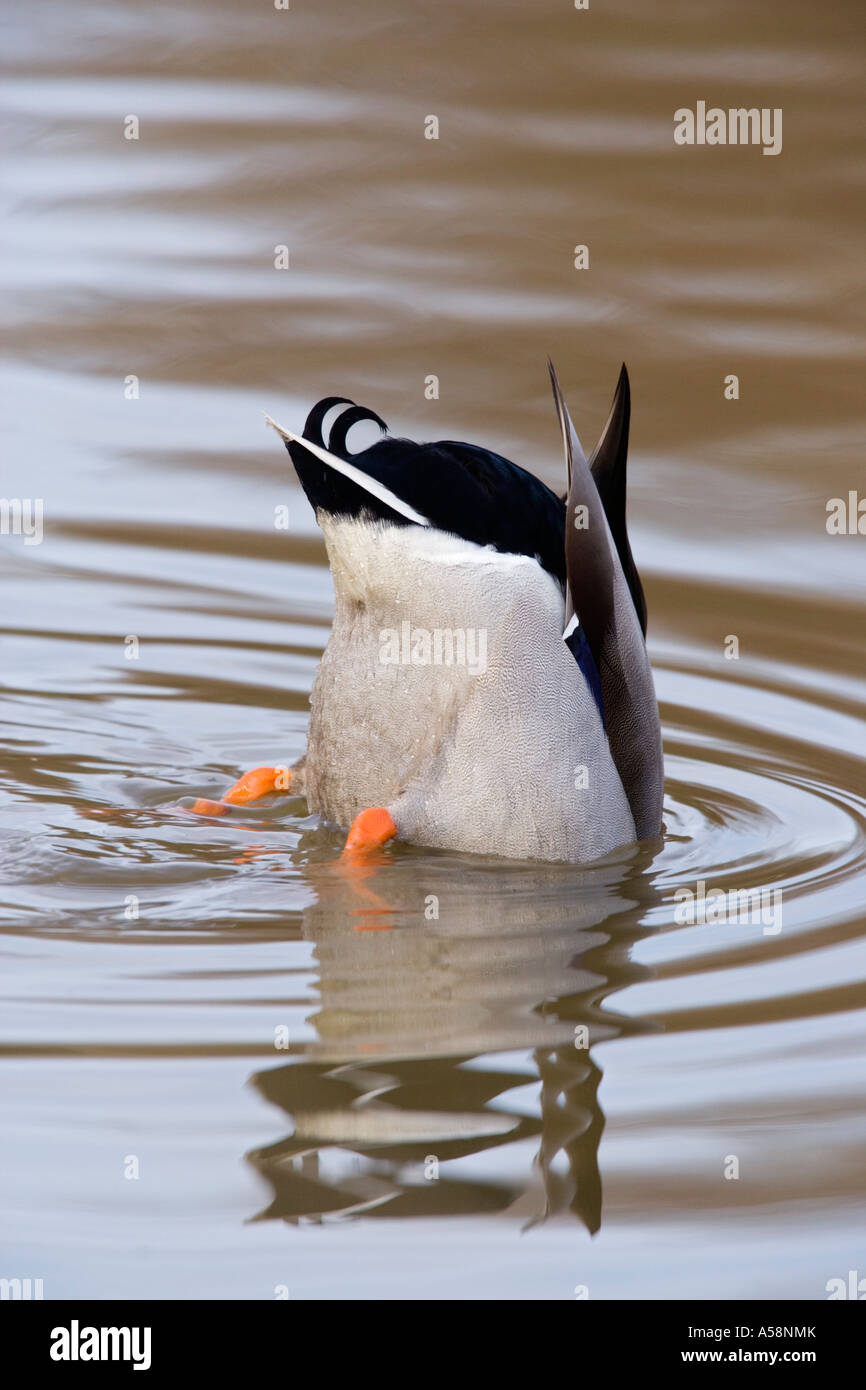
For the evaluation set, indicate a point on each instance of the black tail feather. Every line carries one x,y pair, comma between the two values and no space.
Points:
315,419
345,421
608,468
459,488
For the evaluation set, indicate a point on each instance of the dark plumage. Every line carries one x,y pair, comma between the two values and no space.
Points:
460,488
467,490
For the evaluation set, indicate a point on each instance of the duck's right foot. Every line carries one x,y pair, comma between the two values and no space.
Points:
371,829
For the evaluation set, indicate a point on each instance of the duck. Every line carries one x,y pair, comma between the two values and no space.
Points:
486,686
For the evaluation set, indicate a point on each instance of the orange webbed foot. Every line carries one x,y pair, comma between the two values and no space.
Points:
261,781
371,829
362,855
253,786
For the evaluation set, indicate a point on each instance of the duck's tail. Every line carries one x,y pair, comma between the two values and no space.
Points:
604,590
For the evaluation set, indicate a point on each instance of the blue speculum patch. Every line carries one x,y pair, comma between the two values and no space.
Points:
580,650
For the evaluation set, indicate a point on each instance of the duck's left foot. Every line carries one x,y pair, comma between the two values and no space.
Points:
261,781
371,829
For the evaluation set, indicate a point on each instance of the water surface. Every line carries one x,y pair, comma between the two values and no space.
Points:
325,1088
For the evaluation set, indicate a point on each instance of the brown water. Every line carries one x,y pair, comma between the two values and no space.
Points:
156,1037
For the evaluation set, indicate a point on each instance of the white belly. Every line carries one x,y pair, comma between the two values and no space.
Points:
446,694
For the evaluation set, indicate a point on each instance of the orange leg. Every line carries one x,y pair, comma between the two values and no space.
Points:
262,781
371,829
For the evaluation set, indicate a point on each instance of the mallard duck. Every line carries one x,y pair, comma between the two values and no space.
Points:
486,685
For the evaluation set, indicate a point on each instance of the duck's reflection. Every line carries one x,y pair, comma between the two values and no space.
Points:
434,1034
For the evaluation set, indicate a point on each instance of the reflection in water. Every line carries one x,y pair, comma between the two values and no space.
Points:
428,1030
